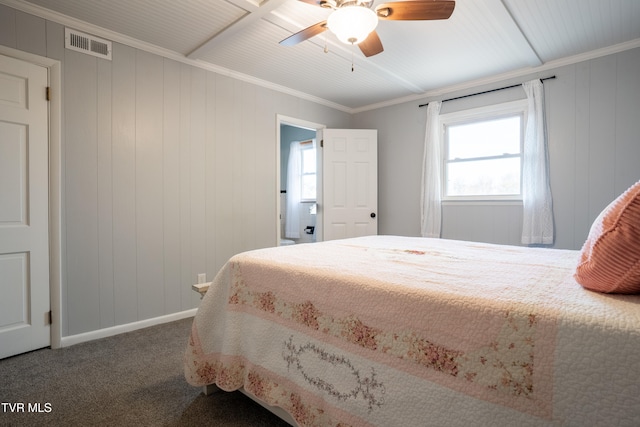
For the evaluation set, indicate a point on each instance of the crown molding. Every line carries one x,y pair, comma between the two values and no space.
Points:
435,93
96,30
551,65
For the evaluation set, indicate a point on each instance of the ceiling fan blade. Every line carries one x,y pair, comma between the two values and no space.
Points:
305,34
371,45
312,2
417,10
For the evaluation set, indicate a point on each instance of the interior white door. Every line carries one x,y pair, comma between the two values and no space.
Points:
24,216
349,183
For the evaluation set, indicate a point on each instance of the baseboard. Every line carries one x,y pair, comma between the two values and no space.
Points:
128,327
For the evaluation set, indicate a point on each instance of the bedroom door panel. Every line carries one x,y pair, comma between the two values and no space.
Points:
24,216
350,183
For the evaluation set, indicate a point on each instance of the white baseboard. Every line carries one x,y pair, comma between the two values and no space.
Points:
128,327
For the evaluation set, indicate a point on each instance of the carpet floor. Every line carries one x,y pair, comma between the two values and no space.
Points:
125,380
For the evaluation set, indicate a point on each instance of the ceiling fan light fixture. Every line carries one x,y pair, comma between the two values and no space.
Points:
352,24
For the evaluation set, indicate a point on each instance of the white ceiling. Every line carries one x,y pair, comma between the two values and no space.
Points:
483,38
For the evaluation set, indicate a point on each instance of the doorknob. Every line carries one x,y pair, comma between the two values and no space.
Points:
373,215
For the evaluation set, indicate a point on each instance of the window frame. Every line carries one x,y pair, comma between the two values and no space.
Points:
307,145
480,114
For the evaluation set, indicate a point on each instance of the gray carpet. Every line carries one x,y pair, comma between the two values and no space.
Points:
129,379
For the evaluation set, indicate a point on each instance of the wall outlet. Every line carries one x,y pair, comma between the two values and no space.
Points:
202,278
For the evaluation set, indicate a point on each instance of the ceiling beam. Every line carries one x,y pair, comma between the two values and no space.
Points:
253,15
517,36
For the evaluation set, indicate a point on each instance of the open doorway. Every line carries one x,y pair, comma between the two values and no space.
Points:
299,219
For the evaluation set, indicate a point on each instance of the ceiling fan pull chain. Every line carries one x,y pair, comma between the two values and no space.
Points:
352,48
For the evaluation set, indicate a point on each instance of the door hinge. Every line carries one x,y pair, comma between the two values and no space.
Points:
321,143
48,318
48,93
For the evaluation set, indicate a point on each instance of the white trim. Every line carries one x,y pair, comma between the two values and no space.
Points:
486,202
128,327
77,24
138,44
292,121
55,202
312,147
54,69
256,13
475,113
497,78
299,123
481,114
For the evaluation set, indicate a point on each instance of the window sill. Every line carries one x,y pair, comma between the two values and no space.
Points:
483,202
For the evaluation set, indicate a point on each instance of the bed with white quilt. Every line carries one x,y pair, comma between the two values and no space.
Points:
397,331
406,331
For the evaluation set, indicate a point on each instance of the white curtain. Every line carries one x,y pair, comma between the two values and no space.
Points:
537,223
294,170
430,202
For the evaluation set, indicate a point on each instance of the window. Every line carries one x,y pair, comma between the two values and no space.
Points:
483,153
308,175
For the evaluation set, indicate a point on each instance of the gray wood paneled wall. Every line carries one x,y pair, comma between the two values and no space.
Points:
169,170
593,126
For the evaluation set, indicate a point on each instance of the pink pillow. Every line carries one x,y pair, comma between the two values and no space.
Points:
610,258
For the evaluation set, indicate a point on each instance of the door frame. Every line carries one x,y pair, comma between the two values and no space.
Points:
54,74
292,121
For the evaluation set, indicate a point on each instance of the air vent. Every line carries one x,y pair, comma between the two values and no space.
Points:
86,43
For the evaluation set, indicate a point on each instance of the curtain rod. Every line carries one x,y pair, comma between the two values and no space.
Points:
486,91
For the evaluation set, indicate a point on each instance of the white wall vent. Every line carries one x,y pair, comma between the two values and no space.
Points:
86,43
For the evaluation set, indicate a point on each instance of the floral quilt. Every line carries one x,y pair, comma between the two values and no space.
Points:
386,330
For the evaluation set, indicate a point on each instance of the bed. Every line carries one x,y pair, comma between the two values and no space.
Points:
407,331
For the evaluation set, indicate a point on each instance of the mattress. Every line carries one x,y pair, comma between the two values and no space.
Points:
402,331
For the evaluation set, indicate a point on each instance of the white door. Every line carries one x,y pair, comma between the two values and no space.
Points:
24,216
349,183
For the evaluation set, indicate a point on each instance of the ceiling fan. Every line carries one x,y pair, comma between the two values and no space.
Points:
354,21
